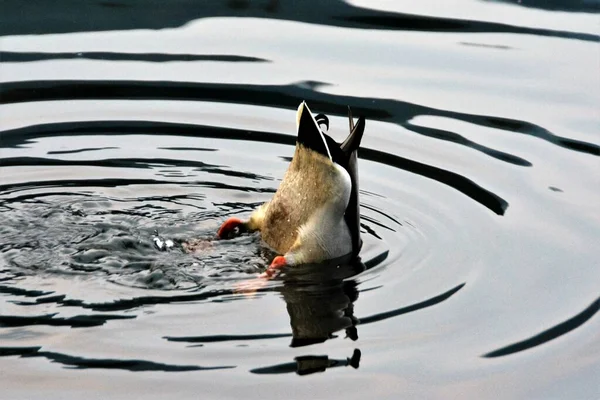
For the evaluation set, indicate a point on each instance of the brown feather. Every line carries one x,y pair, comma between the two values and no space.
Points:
309,183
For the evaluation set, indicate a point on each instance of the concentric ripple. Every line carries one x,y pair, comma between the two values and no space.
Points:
478,189
104,216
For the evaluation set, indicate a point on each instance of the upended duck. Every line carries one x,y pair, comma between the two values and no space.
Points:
314,215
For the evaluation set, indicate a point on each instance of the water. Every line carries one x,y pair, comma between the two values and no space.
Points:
479,199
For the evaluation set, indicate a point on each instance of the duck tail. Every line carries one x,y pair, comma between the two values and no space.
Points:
309,132
353,140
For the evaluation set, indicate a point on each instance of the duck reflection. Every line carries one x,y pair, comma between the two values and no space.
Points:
306,365
320,300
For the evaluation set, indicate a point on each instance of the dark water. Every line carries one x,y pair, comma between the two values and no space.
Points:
480,199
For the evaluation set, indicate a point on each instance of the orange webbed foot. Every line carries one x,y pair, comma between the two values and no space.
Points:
229,227
250,287
277,263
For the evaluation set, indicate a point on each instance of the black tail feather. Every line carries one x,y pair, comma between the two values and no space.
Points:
309,132
353,140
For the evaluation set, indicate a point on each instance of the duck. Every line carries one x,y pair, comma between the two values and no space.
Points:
314,214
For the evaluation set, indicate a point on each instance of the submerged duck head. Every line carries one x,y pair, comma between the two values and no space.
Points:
314,215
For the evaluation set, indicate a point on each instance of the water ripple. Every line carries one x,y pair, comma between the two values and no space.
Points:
549,334
335,13
92,363
286,96
19,136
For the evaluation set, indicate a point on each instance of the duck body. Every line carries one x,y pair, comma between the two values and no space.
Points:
308,220
304,220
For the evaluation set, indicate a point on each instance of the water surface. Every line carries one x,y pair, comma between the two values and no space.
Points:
479,185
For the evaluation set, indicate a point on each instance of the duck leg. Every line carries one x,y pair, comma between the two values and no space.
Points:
230,228
277,263
235,226
250,287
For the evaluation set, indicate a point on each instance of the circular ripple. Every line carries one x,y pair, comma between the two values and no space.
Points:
95,208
